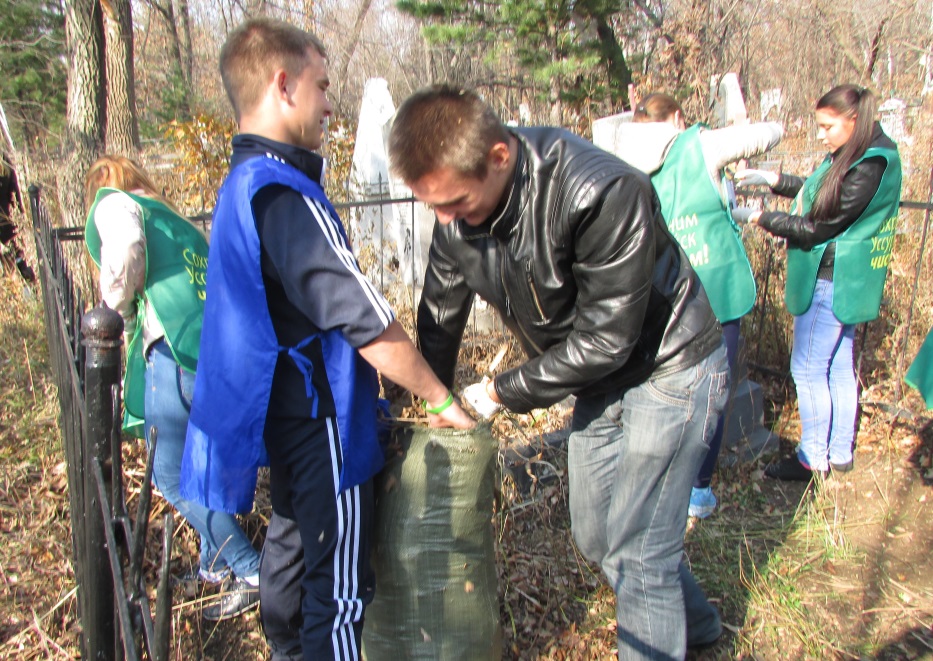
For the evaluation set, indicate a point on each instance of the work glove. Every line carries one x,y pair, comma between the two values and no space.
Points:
476,396
745,178
741,214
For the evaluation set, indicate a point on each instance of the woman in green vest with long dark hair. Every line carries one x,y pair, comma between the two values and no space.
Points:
152,265
840,233
687,169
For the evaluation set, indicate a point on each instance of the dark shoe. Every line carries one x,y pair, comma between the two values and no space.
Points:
841,468
704,644
238,597
789,470
25,270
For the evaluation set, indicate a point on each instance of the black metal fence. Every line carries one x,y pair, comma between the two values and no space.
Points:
85,348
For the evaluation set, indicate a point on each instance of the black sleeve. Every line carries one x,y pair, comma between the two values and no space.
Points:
445,305
788,185
858,188
305,251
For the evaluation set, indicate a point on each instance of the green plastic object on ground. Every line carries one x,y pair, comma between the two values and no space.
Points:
434,549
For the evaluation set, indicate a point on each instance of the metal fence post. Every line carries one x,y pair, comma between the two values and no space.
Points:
102,329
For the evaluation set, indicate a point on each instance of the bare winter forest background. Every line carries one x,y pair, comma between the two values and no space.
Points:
137,76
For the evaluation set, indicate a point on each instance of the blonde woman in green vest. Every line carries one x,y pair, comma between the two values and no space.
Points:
686,167
840,233
152,265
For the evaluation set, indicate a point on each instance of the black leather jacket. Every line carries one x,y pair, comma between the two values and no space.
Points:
579,263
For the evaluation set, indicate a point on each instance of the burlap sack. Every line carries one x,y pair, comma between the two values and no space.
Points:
433,552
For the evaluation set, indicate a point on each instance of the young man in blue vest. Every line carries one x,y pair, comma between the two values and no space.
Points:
293,336
568,243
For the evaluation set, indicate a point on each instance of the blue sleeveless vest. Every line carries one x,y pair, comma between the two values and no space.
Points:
239,350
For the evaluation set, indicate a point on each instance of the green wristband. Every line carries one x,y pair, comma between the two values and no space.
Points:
440,408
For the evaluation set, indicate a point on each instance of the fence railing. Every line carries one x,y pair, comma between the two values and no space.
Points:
86,357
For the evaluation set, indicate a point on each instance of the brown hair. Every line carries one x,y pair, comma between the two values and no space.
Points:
847,101
443,126
112,171
656,107
252,53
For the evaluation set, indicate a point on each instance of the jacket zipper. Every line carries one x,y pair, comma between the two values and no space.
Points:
508,305
534,292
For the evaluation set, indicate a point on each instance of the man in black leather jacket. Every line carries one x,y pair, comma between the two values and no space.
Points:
567,242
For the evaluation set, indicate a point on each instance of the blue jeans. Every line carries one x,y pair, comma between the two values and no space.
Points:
168,403
730,333
827,392
632,460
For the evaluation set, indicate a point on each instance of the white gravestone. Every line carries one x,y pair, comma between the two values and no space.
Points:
772,101
728,103
609,131
369,181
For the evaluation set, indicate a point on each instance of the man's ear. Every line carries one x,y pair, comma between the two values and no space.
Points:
280,82
499,156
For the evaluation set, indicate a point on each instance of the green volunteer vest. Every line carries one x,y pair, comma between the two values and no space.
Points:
863,251
176,266
920,374
698,218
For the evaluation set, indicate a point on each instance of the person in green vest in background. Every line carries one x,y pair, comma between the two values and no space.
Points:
840,233
687,169
920,373
152,265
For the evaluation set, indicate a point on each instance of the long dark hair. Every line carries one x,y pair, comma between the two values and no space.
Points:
847,101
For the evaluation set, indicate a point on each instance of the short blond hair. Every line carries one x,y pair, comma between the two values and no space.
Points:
254,50
443,126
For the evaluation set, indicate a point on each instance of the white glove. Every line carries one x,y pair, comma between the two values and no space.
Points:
741,214
756,178
480,401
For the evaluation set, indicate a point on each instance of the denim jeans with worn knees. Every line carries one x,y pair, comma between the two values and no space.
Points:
632,460
168,403
827,391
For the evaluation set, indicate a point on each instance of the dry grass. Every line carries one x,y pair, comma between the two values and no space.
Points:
37,590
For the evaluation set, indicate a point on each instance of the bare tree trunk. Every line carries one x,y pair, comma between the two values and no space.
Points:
873,51
86,115
187,54
354,39
167,12
617,69
122,126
